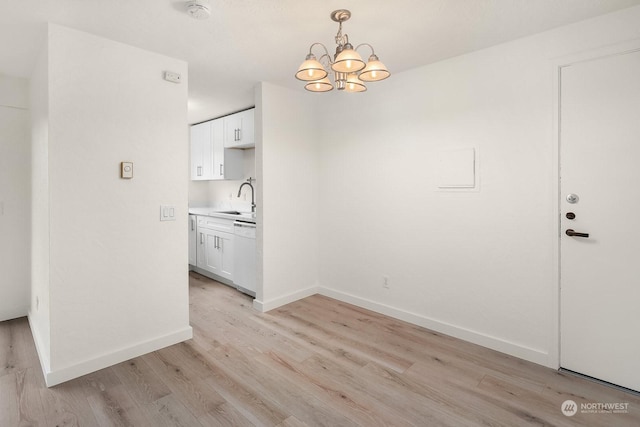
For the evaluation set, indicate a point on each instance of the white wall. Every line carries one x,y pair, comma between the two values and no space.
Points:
480,264
14,198
117,275
287,194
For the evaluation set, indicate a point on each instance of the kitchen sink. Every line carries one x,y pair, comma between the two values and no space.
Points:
246,214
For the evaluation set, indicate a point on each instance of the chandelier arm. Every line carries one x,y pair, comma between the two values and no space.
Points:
326,52
326,55
366,44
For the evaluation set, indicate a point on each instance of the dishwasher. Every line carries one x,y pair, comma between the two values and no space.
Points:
244,275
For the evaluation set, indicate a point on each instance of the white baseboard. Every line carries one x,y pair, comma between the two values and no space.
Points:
514,349
42,356
86,367
265,306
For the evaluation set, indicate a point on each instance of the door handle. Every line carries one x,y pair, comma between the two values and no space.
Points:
572,233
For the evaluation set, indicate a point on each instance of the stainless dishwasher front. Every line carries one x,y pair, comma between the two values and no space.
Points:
244,276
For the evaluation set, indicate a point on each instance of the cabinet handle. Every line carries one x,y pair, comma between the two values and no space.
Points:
239,134
217,242
235,137
221,173
201,238
199,171
193,224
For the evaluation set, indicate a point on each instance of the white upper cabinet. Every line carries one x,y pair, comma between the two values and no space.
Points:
210,160
239,130
201,152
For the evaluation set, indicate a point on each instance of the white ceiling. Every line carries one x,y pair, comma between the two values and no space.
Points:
247,41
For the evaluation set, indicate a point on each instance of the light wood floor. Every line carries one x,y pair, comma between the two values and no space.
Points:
315,362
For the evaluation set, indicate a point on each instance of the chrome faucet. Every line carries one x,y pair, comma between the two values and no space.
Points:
253,203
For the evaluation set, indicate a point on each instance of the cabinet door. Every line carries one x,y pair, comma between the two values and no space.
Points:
225,248
193,241
217,138
208,256
239,130
201,154
215,252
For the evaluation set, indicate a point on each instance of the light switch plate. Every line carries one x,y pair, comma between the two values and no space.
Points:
126,170
167,213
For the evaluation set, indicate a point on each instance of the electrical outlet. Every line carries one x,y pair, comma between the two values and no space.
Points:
385,282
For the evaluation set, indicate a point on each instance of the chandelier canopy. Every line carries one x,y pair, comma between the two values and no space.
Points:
349,70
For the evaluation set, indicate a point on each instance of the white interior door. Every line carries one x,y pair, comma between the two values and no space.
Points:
600,165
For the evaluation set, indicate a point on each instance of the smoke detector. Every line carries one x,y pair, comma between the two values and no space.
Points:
199,9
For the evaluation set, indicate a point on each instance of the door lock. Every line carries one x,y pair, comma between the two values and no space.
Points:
571,215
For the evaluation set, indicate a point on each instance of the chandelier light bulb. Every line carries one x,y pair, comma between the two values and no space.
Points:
323,85
374,71
348,61
354,84
311,69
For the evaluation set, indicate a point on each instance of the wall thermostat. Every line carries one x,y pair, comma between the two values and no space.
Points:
126,170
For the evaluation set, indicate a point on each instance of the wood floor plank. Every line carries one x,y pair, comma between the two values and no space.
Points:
15,354
292,422
280,389
224,415
168,411
28,383
337,395
195,394
305,337
115,407
66,405
350,340
9,406
143,383
256,408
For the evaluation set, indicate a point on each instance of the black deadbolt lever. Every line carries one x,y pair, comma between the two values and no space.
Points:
572,233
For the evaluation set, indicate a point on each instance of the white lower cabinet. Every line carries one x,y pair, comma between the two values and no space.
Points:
215,246
193,240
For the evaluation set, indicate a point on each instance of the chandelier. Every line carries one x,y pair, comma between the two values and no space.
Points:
350,71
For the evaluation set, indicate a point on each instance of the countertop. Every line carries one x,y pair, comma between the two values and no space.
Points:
243,216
